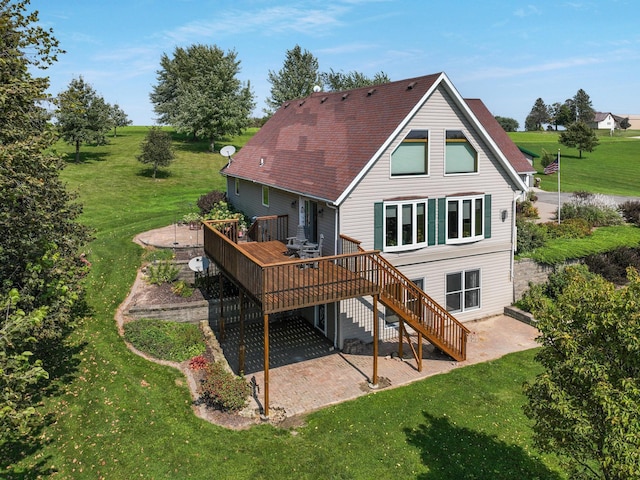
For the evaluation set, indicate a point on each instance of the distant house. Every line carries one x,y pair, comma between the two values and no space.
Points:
605,121
412,191
634,120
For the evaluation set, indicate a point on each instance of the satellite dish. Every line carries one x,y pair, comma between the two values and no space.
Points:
199,264
228,151
317,88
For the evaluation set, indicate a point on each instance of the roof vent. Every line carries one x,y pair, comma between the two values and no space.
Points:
411,85
286,104
301,103
344,96
324,99
370,92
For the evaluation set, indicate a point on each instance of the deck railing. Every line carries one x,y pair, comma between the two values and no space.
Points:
271,227
300,283
421,312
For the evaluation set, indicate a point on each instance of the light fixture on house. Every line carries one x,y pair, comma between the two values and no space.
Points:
320,212
294,204
503,214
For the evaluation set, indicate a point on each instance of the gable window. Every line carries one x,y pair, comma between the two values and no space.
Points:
411,157
463,291
405,225
237,186
460,156
265,196
465,219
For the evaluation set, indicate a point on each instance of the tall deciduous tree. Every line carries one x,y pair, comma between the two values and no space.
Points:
338,81
40,268
507,123
585,403
539,114
295,79
579,135
560,114
82,115
198,92
156,149
118,118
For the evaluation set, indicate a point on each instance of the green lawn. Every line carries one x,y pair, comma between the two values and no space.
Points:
612,168
118,416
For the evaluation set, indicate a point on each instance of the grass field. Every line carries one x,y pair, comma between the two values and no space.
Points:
612,168
118,416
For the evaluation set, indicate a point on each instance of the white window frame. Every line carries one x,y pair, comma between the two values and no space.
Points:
399,204
464,290
460,201
422,141
465,140
265,195
236,186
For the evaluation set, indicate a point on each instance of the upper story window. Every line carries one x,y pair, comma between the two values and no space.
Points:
405,224
460,156
411,157
465,219
265,196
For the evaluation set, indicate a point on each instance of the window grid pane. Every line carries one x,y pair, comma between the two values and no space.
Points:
479,217
407,224
409,158
421,222
391,224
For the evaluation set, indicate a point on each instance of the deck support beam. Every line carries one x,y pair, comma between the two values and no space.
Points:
266,365
376,335
221,291
241,346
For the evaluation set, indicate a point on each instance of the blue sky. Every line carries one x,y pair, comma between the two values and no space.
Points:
508,53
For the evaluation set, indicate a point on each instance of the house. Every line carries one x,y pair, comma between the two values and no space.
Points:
605,121
413,190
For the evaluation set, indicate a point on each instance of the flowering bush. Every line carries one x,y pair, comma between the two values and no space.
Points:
199,362
222,211
221,389
597,209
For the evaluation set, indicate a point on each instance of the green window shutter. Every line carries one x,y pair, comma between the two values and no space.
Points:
431,221
378,230
442,215
487,216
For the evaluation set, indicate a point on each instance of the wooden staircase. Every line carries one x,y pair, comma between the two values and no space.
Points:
421,312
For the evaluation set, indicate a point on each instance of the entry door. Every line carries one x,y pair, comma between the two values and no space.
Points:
320,320
311,220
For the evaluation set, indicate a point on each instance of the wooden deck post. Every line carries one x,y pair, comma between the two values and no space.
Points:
374,379
266,365
241,346
401,339
419,351
221,291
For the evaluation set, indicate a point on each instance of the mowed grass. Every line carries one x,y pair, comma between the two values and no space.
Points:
118,416
612,168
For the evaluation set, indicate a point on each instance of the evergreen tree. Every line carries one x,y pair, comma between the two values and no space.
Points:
295,79
118,118
539,114
40,267
582,107
579,135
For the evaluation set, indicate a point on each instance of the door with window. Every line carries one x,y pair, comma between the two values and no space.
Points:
320,321
309,215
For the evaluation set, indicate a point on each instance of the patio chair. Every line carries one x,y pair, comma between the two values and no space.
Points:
295,244
311,250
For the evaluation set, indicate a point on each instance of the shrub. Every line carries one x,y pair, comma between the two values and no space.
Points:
222,211
526,209
182,289
631,211
570,228
221,389
530,236
613,265
164,339
198,362
161,272
599,210
207,201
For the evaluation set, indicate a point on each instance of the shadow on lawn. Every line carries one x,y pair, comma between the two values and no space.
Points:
62,364
453,452
86,157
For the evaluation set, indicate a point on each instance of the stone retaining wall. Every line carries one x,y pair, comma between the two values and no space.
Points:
529,271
